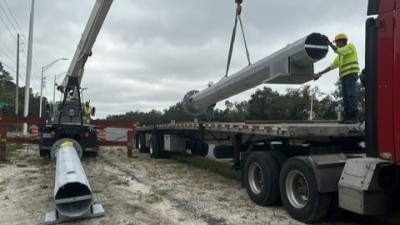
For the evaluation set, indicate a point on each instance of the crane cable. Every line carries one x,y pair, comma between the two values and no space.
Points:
237,17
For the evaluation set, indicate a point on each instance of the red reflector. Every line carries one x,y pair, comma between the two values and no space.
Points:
87,134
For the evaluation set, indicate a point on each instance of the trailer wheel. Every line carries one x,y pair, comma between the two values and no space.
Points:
299,191
142,143
261,177
156,147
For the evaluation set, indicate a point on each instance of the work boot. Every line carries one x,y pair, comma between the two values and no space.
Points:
351,121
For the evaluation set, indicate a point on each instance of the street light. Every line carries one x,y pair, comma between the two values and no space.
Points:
55,85
44,68
82,89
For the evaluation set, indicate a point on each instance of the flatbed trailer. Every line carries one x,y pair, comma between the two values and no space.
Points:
198,136
260,150
223,133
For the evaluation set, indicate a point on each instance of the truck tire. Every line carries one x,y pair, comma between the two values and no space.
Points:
279,157
261,178
157,147
299,191
142,143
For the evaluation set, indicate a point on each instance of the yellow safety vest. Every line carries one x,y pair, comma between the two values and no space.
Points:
346,60
87,110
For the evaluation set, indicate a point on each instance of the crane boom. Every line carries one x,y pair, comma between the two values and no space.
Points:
84,48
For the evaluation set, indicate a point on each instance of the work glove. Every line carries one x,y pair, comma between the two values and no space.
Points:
326,39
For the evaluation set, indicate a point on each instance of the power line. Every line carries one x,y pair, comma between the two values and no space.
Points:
10,69
8,28
5,46
12,15
35,69
8,18
6,55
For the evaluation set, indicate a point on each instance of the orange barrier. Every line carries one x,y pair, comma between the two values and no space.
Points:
102,134
34,131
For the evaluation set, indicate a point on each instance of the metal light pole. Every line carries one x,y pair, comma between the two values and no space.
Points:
28,68
17,79
44,68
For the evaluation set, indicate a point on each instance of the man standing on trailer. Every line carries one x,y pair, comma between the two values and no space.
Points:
347,62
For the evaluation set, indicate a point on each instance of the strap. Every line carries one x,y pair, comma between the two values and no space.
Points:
231,47
244,39
237,17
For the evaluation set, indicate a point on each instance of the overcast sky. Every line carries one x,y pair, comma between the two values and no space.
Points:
150,53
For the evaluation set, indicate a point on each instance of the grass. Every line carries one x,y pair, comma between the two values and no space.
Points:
121,181
134,208
21,165
208,164
163,192
153,198
11,149
2,183
14,147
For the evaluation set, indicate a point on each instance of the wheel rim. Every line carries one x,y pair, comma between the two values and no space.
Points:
297,189
256,178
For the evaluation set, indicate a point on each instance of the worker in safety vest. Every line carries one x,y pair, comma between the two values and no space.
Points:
87,110
347,62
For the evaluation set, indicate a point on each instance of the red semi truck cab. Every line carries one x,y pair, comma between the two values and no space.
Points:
382,68
386,71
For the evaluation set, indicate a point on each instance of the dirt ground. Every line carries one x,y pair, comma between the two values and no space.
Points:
136,191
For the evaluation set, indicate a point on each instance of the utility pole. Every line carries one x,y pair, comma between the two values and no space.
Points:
28,68
17,79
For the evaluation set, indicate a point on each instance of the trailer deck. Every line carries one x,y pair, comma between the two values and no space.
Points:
289,130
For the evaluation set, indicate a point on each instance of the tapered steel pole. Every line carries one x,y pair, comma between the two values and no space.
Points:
17,79
72,193
28,67
293,64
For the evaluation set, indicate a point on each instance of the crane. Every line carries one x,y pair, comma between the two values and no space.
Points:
67,136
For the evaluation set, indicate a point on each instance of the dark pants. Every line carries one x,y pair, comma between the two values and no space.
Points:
209,114
349,94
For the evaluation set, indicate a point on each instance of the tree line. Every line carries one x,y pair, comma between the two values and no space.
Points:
265,104
7,97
